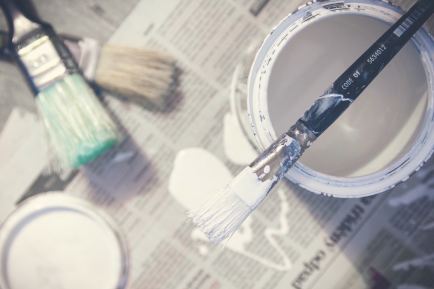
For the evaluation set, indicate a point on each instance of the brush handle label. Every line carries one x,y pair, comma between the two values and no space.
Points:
41,60
365,69
377,54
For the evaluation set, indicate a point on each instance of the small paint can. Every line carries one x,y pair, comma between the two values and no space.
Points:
57,241
385,136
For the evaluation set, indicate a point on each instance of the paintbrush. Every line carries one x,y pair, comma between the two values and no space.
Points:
78,127
221,216
143,76
140,75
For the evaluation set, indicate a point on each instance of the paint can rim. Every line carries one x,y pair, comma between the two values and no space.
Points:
314,181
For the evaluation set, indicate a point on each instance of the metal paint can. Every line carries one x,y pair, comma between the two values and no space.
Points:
385,136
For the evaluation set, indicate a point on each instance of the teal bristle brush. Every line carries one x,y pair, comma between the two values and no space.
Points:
78,127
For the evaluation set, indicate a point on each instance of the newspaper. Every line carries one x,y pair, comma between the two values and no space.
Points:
295,239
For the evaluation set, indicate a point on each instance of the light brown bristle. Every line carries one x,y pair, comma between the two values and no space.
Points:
145,74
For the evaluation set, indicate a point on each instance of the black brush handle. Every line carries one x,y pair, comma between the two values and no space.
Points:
25,30
328,107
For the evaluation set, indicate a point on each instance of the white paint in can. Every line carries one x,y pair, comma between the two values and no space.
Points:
384,136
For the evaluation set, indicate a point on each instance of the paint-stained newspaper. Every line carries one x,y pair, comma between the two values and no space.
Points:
295,239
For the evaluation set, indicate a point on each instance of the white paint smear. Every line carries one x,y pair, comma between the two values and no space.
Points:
427,227
283,229
121,157
411,286
197,175
244,236
237,147
417,263
413,194
192,185
421,262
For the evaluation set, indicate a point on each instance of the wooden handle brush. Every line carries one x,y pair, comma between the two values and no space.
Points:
78,127
146,77
221,216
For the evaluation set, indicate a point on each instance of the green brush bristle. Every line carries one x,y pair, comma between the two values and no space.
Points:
78,126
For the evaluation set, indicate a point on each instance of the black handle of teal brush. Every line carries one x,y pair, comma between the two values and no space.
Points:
328,107
25,29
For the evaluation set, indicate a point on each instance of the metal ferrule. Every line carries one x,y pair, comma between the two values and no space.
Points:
43,60
275,161
41,55
302,134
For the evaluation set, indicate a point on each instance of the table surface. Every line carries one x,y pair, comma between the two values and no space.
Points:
98,19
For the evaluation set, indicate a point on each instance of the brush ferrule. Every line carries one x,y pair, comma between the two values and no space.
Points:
41,55
42,62
44,59
302,134
275,161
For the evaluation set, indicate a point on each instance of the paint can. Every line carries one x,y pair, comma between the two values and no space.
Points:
385,136
54,240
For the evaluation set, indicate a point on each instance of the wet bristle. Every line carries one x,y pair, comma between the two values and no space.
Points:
78,127
221,216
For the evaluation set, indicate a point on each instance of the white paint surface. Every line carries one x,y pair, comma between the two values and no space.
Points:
197,175
380,126
60,247
237,147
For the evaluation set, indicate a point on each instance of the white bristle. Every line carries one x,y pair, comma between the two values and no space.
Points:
136,72
222,215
